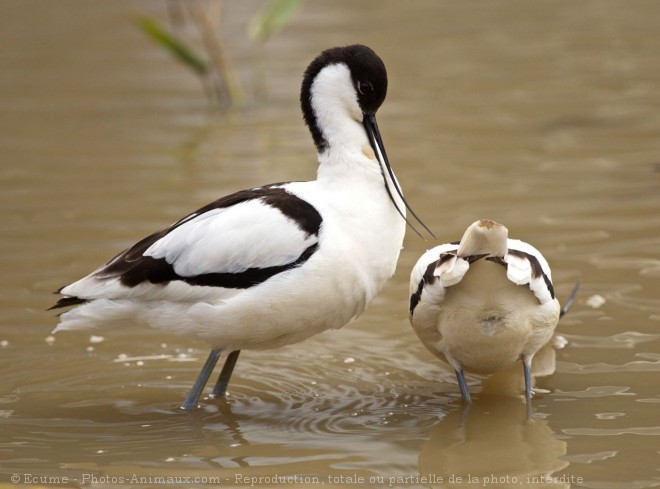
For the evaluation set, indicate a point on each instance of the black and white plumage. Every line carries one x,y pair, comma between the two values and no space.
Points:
484,303
273,265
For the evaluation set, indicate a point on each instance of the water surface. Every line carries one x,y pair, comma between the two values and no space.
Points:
542,116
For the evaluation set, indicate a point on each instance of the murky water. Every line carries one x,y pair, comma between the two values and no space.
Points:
543,116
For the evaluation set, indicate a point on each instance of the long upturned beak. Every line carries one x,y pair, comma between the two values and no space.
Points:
370,125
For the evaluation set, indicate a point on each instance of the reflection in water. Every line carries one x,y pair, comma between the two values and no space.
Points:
511,382
492,444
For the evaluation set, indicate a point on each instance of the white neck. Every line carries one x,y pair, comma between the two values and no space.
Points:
348,154
338,114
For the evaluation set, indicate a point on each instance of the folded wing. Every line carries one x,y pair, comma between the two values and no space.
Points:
236,242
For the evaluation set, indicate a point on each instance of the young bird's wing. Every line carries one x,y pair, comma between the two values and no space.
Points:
436,270
525,265
447,264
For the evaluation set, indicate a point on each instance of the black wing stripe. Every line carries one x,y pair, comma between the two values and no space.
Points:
133,268
498,260
158,271
537,269
472,258
66,302
427,278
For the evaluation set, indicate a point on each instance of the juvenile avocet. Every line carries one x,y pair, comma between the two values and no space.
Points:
272,265
484,303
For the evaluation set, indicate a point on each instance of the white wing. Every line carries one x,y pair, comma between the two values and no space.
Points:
436,270
527,266
440,268
235,243
231,240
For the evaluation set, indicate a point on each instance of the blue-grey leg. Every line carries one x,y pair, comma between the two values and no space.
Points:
527,368
220,388
198,387
463,385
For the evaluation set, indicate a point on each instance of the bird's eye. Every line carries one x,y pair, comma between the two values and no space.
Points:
365,87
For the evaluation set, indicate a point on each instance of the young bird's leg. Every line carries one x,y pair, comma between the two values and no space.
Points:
527,368
465,393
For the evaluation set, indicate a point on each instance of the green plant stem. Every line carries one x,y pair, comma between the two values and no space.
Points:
217,53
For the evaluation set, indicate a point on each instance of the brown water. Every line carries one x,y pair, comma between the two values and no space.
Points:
544,116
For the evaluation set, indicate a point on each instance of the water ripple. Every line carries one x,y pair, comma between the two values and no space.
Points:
602,367
626,339
598,391
645,431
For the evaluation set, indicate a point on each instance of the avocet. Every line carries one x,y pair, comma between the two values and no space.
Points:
272,265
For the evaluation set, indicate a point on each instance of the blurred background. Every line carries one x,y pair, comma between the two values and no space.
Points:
120,117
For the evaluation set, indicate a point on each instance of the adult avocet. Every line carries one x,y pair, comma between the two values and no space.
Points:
484,303
272,265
